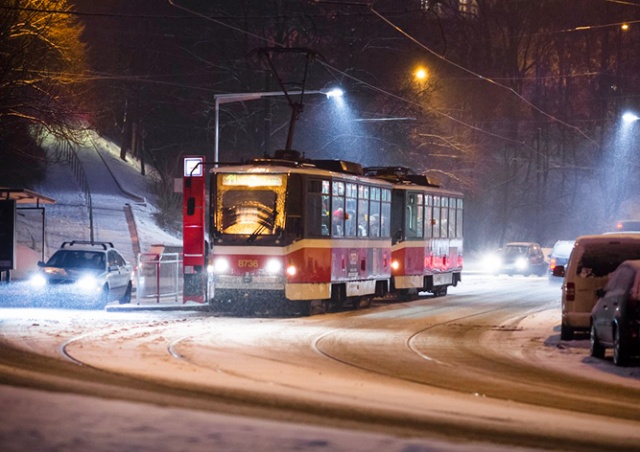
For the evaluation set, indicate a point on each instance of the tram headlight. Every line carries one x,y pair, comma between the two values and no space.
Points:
273,266
291,270
220,265
395,264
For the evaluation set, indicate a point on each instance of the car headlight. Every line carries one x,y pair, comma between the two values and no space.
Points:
521,263
38,280
492,262
88,283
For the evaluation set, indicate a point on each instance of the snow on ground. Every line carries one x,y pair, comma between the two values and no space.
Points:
85,423
55,421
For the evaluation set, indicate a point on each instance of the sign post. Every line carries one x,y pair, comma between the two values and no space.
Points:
193,216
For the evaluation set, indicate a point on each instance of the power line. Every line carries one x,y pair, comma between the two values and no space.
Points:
481,77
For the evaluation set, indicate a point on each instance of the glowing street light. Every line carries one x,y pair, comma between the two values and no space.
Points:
629,117
421,74
227,98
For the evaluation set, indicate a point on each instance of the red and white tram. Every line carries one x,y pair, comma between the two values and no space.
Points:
426,233
307,236
310,234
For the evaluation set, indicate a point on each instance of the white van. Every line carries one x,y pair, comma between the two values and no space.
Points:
592,259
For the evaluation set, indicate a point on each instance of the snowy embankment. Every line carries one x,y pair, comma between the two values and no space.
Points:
122,205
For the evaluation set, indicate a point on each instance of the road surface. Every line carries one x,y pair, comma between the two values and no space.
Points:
481,365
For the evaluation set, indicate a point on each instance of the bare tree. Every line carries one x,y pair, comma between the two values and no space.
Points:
41,73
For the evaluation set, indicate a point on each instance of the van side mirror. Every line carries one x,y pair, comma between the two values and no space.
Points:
558,271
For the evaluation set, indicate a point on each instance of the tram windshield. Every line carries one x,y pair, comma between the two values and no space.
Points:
250,204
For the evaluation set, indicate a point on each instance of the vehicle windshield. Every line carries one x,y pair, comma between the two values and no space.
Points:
599,261
515,251
250,204
562,249
77,259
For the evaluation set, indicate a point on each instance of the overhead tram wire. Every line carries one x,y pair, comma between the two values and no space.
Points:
415,104
481,77
362,82
370,4
211,19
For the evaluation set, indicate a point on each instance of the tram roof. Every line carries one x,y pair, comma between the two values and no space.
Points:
334,169
306,169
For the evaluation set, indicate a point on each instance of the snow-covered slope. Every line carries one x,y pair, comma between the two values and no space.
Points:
122,205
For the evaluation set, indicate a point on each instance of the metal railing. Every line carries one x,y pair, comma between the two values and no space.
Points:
71,156
158,277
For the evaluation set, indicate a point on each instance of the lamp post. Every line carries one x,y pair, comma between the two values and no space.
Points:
243,97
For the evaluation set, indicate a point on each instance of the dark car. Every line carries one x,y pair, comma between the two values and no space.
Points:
559,256
615,319
93,273
523,258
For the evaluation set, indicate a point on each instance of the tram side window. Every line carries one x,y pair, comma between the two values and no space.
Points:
318,215
363,211
459,219
428,223
385,213
374,213
453,217
351,205
436,217
337,209
413,219
420,219
444,217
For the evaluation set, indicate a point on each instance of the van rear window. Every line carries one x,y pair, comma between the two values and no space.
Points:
598,261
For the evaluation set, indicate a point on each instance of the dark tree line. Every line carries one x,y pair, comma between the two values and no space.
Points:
520,110
42,92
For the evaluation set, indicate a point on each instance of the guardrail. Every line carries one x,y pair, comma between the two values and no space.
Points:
159,277
69,153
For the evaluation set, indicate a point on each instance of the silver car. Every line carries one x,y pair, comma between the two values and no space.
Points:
92,273
615,319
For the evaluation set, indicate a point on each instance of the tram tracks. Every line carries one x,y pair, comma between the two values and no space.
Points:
325,368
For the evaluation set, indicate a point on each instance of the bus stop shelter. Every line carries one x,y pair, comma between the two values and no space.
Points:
12,199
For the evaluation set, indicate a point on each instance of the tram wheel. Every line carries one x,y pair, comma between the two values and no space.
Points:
363,302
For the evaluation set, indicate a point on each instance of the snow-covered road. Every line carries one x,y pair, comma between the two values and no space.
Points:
481,367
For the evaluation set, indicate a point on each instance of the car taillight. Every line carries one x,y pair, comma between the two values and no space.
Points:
552,264
570,292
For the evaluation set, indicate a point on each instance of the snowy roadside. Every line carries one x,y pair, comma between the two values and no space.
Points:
89,423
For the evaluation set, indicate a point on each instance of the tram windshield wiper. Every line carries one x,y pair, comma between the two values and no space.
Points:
264,224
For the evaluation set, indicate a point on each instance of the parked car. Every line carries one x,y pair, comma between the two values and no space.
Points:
615,319
593,258
559,256
93,272
524,258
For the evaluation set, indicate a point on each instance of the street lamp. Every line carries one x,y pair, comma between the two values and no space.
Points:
629,117
421,74
243,97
